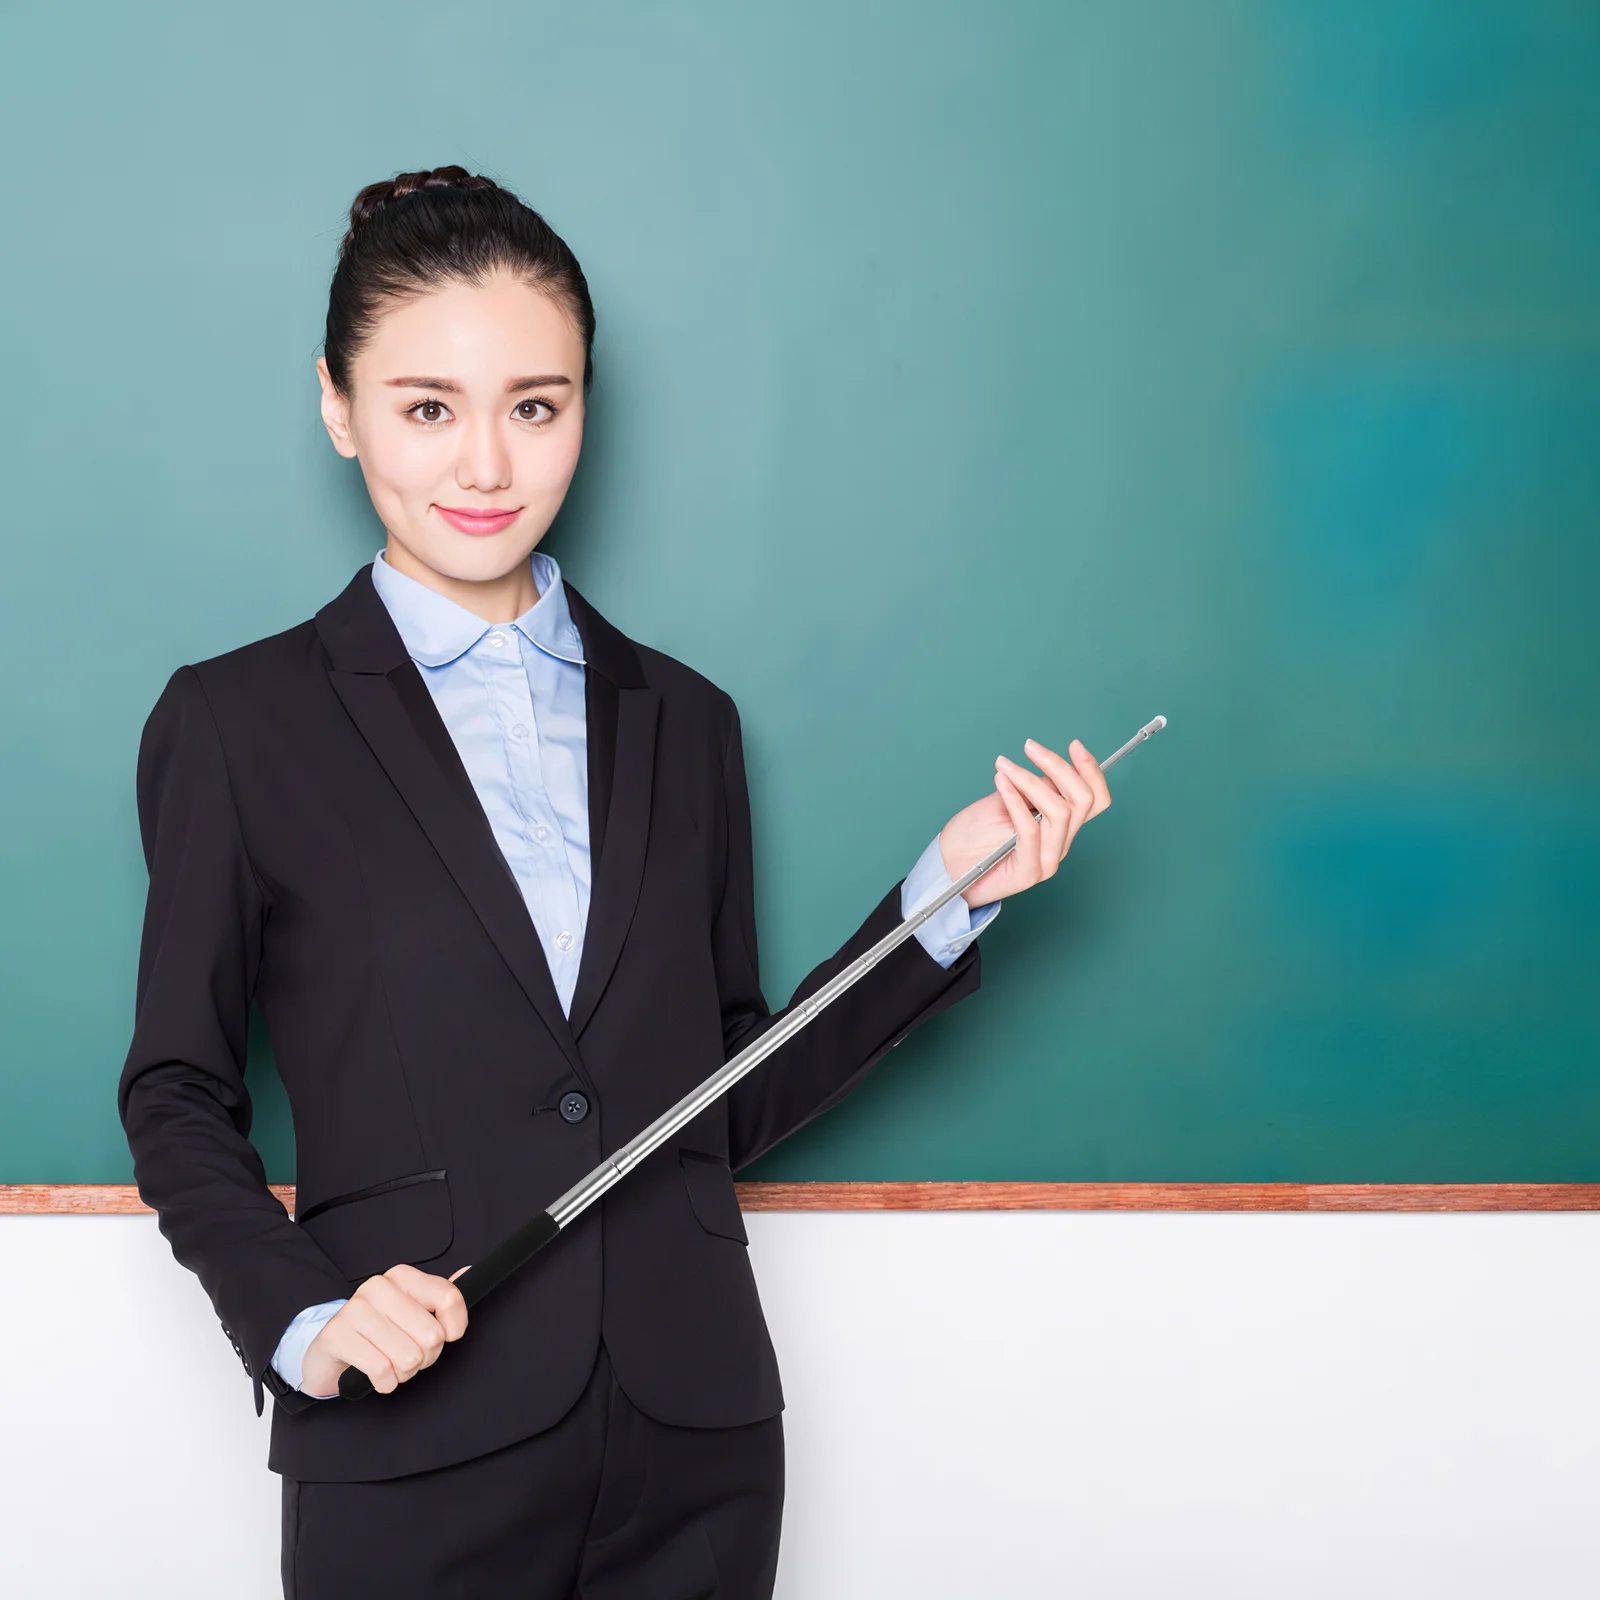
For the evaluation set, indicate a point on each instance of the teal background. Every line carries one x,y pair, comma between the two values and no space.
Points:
966,371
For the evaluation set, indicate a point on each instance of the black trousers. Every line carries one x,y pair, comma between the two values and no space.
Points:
607,1504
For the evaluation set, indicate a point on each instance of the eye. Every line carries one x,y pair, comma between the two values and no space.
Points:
537,422
418,406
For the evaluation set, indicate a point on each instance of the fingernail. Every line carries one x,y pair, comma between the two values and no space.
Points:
1030,744
1006,762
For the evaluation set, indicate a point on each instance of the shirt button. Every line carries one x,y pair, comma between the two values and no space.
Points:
564,939
541,833
519,732
574,1106
497,639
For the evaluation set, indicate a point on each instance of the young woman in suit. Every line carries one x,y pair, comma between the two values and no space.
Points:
485,864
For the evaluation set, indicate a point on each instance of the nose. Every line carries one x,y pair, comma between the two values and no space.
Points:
484,464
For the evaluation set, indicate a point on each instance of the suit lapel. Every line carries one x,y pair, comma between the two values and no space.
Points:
622,711
391,706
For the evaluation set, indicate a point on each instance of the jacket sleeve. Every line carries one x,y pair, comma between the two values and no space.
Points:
182,1096
825,1060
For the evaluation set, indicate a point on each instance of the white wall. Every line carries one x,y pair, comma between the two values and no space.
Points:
1095,1405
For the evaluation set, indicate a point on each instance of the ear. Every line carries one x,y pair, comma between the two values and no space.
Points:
335,413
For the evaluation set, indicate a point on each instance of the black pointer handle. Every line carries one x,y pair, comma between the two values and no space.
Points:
482,1276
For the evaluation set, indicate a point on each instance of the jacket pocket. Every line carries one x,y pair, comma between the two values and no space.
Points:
369,1230
711,1193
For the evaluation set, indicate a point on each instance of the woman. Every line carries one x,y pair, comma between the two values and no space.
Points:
485,864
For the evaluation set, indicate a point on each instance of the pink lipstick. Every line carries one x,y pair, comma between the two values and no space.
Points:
471,519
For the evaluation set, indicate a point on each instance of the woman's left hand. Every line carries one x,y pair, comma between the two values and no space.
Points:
1066,796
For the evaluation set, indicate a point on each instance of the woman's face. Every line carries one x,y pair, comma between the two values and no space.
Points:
465,399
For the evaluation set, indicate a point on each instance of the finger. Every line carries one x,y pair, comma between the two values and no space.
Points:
1081,796
1055,810
1092,772
434,1294
1067,778
406,1331
365,1336
1024,825
435,1303
350,1347
1054,815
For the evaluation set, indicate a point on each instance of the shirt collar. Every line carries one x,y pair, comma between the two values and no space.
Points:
435,629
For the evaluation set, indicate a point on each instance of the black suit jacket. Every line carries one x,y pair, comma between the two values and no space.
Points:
314,842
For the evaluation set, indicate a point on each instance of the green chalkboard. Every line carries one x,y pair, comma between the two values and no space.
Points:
966,372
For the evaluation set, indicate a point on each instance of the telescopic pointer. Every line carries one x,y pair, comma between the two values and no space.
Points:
504,1258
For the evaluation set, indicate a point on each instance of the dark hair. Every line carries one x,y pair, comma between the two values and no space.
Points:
418,230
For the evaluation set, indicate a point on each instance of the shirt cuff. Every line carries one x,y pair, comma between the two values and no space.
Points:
290,1355
954,925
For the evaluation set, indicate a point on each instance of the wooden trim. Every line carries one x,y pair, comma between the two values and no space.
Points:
1169,1197
106,1199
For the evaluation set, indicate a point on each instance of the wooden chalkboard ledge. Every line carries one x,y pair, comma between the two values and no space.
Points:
101,1199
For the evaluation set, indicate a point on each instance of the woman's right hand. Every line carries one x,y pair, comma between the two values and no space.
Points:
392,1327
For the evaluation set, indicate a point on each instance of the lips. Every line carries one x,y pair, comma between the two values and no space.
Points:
470,520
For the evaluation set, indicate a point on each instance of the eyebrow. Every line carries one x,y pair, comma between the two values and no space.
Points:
514,386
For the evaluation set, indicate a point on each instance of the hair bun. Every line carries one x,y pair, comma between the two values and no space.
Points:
417,231
375,196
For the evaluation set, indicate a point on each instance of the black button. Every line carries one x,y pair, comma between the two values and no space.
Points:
574,1106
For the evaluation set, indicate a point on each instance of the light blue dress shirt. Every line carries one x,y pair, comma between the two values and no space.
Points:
512,696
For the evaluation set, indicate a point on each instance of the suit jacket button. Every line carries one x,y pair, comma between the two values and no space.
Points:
574,1106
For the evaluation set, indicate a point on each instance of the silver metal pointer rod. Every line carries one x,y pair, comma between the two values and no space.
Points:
503,1259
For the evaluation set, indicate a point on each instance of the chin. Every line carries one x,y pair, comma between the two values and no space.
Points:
469,559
